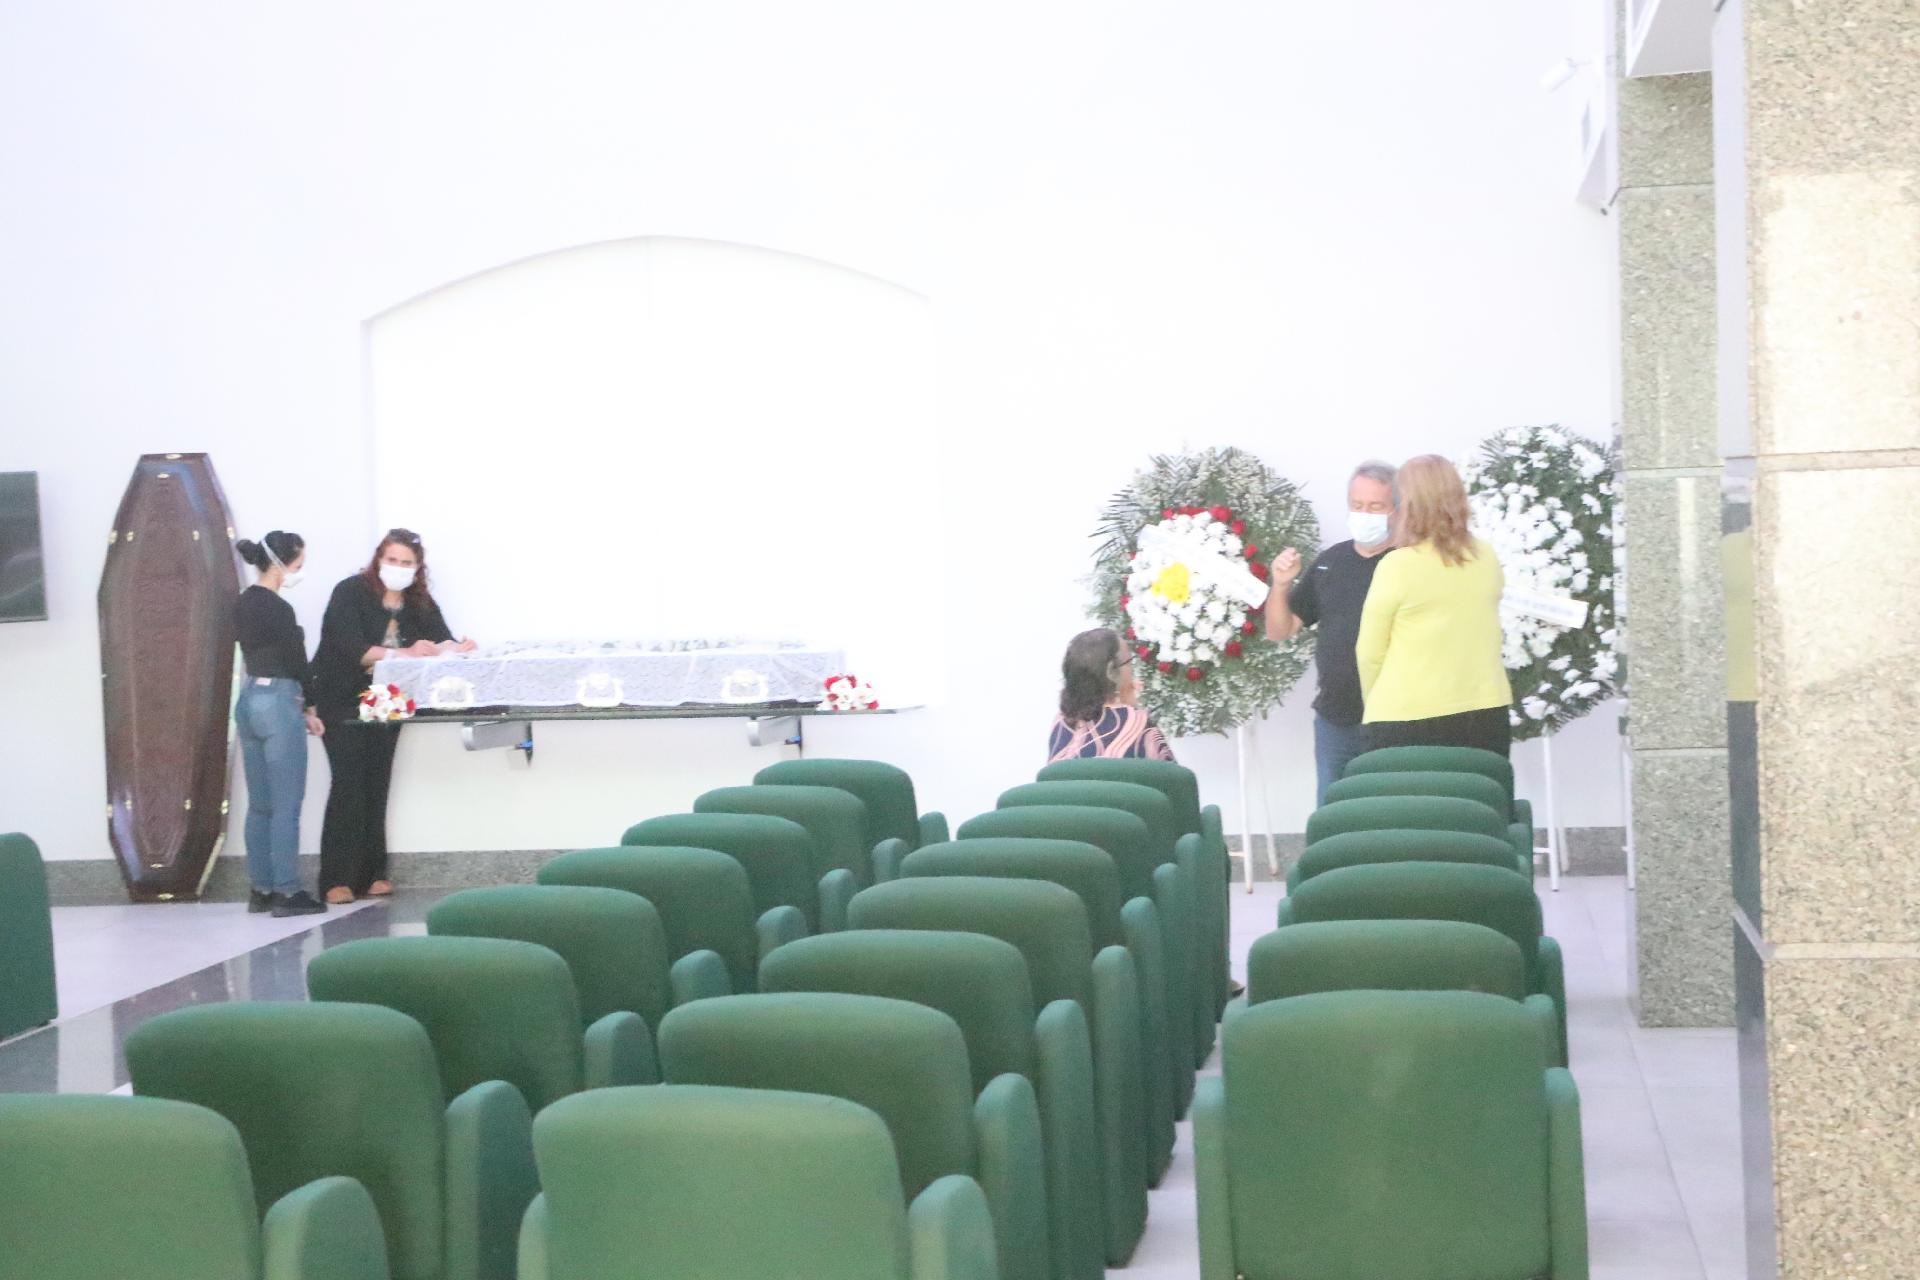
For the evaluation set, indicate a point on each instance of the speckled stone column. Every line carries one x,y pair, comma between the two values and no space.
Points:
1817,166
1670,486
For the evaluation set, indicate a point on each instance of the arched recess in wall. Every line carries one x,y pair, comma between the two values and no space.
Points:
666,437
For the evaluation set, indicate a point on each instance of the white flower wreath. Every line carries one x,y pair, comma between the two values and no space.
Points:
1543,498
1179,574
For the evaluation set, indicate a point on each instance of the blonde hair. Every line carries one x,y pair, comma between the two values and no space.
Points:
1433,508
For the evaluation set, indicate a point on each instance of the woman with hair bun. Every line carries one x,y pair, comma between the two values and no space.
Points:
1097,712
272,718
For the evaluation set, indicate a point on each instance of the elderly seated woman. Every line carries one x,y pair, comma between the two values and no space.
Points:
1098,717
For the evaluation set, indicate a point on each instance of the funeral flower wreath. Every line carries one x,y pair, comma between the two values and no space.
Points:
1181,572
1543,497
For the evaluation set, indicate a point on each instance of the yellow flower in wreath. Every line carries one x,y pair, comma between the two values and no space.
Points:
1174,584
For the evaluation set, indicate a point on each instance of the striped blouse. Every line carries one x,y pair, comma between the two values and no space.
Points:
1121,733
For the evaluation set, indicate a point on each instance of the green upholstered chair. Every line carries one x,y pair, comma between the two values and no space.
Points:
1353,848
1049,926
1182,788
905,1062
692,1182
1126,839
352,1090
1483,895
495,1009
97,1186
1420,813
1200,874
613,941
1396,955
836,819
982,984
705,903
1460,784
28,998
1089,872
1175,781
1491,764
778,855
1395,1135
893,812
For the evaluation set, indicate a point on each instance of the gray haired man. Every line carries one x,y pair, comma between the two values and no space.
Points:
1329,595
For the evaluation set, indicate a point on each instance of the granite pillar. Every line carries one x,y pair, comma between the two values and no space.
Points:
1674,623
1817,165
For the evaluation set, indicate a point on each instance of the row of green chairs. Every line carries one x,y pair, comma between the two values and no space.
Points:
1425,833
650,1182
527,995
1407,1009
1040,833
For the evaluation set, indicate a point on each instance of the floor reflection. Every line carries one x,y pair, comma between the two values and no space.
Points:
85,1054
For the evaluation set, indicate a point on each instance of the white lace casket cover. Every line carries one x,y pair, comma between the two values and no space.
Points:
615,674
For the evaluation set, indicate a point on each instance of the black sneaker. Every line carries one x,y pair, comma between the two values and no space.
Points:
259,900
298,903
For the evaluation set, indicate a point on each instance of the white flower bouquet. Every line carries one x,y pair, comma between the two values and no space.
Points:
385,702
848,693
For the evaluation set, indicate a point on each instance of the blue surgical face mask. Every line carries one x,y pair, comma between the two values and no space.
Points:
1369,528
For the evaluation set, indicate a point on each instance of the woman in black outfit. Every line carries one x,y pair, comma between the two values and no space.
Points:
271,720
384,611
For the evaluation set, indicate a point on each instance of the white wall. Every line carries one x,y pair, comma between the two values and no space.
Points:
1317,232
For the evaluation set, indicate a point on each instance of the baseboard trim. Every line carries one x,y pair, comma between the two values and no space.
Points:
95,882
1590,851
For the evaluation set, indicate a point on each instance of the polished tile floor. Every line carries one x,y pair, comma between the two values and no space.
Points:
1659,1107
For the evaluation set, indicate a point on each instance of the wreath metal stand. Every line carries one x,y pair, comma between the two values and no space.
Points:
1252,760
1246,812
1264,781
1552,848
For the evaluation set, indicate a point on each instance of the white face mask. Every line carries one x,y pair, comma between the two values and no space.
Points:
396,577
290,578
1369,528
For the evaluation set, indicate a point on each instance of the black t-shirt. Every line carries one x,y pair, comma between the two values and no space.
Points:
271,642
1330,595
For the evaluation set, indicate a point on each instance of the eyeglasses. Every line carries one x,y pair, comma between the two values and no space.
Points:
407,536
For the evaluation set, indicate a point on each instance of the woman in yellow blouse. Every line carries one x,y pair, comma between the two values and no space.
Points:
1429,646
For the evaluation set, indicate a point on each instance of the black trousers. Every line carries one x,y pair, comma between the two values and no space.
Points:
353,838
1490,730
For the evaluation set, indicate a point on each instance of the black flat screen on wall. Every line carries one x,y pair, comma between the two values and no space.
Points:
23,579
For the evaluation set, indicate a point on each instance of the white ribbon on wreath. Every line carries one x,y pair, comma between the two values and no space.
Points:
1204,560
